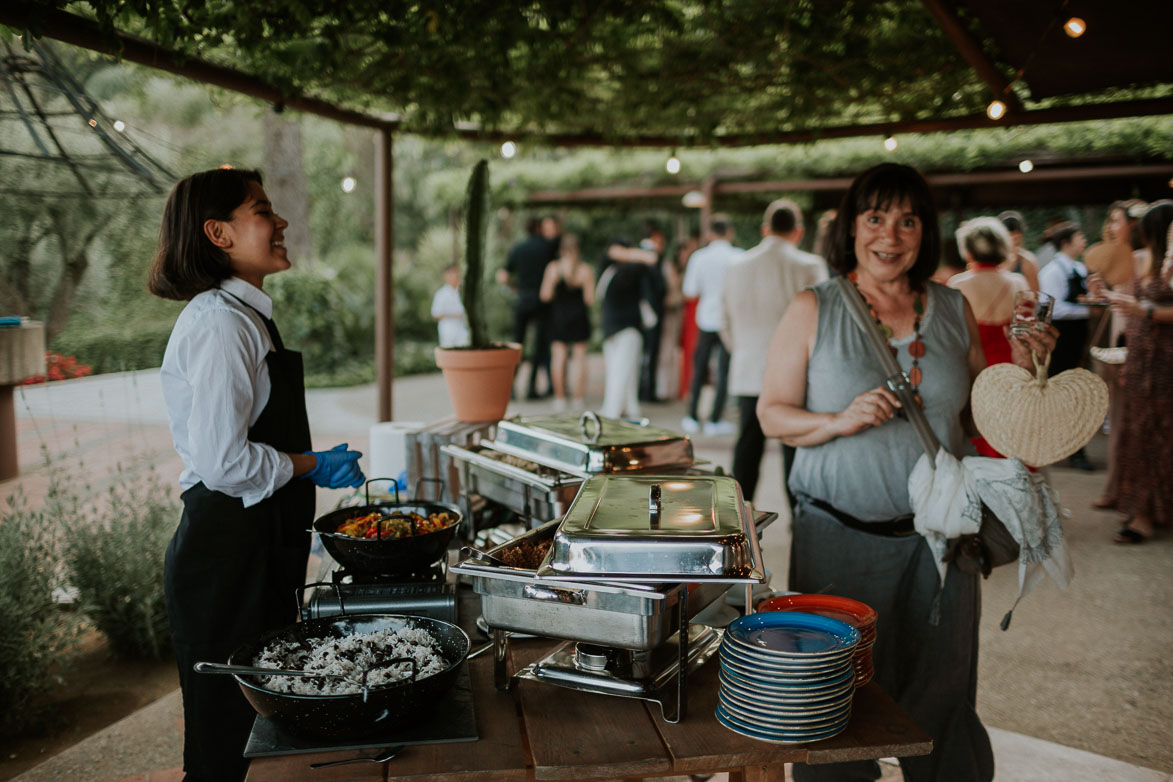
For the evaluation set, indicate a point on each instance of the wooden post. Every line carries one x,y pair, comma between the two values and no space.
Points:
384,274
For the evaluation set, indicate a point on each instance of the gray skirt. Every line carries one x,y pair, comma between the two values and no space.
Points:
929,669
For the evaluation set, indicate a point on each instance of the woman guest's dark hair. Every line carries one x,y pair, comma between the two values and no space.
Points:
187,263
1154,226
1013,222
880,186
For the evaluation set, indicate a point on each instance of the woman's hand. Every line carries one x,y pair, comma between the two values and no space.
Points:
1126,304
1096,287
1033,346
871,408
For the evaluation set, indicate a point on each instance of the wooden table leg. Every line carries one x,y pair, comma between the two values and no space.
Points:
775,772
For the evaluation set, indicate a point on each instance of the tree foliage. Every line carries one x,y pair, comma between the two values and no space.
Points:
683,69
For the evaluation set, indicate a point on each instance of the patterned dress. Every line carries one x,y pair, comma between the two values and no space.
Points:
1146,385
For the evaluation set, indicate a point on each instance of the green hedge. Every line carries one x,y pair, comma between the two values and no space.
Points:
116,348
38,636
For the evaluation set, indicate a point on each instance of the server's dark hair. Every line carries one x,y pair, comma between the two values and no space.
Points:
879,187
187,263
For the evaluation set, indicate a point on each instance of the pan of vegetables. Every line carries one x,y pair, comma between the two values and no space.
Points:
389,538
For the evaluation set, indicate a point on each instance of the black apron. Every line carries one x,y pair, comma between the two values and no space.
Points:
231,573
1069,350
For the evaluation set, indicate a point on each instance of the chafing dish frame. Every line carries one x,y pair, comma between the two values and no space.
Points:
526,493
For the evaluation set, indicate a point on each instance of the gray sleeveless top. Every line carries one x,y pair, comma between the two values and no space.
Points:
866,475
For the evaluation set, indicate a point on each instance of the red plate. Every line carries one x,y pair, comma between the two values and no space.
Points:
859,615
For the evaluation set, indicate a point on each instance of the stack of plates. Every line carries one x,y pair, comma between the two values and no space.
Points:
859,615
787,677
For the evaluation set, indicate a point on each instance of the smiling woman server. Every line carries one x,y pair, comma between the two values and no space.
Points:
236,408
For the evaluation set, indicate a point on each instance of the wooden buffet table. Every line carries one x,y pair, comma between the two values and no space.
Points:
538,731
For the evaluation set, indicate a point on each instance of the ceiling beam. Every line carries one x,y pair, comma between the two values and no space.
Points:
78,31
969,48
939,180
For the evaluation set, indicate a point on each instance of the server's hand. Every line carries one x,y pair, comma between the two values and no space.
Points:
336,468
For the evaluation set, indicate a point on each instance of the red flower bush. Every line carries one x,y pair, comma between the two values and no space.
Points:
59,367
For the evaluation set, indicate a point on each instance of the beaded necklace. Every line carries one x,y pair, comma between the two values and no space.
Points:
916,348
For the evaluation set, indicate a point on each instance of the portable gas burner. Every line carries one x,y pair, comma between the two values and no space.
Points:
425,593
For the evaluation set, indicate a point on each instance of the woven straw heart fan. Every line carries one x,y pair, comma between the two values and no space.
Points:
1036,419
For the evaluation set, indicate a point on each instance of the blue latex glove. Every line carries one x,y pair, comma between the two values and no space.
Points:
336,468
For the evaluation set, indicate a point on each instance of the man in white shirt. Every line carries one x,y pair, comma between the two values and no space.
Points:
758,288
448,311
1065,280
705,279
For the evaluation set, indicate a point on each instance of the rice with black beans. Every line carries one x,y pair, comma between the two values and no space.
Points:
350,656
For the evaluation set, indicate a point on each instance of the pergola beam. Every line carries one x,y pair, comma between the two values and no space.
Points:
953,179
969,48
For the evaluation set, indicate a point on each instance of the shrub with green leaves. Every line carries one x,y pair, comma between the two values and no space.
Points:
37,635
115,562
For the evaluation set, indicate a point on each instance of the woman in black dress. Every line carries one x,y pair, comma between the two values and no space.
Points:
569,288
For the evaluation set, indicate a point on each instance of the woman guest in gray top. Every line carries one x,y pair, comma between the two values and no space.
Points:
824,392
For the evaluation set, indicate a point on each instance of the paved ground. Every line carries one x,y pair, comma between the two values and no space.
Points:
1080,687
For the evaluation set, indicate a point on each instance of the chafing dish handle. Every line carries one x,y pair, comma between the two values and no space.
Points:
590,415
574,597
655,506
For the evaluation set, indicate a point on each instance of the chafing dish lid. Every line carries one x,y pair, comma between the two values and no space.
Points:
657,528
588,444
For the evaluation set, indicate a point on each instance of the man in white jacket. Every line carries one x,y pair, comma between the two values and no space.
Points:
758,288
704,278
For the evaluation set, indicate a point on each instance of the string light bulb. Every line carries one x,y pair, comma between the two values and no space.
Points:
1026,166
996,109
508,149
890,143
93,123
348,184
119,125
673,163
1075,27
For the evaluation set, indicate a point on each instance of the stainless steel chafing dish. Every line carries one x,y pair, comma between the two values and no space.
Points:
630,616
657,528
535,465
630,639
587,444
613,578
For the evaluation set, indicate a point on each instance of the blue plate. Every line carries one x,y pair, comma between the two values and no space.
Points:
793,633
776,720
743,655
754,677
784,709
758,692
778,737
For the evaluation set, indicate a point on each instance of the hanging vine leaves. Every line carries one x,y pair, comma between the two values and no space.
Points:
686,69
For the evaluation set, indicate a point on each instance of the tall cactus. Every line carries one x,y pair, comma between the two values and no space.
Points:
475,217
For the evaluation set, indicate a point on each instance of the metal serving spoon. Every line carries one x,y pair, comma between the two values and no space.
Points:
382,757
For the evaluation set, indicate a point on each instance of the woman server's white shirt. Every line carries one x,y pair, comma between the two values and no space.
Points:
216,383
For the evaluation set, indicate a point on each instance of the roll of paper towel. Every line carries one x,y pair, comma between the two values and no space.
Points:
388,450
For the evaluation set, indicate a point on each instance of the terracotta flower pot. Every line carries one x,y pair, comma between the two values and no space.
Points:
479,380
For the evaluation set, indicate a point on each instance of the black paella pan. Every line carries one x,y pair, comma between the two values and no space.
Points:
385,555
379,708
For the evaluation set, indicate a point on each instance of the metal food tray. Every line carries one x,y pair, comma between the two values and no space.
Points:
587,444
632,616
534,495
656,529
